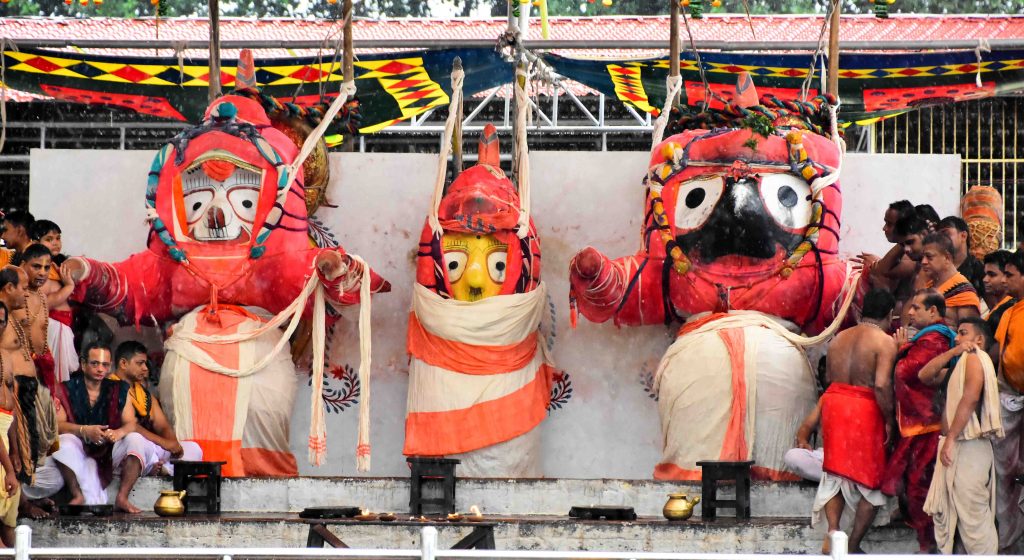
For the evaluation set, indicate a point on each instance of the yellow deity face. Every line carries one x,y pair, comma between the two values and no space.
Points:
475,264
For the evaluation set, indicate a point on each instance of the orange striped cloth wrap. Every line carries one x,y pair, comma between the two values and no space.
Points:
959,292
478,372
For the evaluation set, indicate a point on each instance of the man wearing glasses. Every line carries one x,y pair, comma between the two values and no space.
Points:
97,434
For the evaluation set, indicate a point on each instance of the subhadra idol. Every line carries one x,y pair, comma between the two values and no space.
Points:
739,243
230,259
479,382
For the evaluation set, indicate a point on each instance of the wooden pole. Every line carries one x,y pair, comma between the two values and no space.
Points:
347,55
457,131
347,68
513,10
673,41
833,49
214,56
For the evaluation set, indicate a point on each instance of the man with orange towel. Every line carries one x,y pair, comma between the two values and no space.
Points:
937,266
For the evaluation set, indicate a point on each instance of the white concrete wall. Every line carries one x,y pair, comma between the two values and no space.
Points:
609,428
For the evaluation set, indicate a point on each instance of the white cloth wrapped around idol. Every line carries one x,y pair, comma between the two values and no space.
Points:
479,378
740,235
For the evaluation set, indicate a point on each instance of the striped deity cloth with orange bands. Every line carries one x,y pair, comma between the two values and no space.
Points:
478,377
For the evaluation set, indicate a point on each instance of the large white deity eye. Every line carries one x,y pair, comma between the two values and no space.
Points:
455,264
496,265
695,200
788,199
196,203
243,201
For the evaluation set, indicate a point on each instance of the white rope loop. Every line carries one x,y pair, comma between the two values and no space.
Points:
522,153
365,356
348,90
672,85
982,46
458,77
317,414
827,180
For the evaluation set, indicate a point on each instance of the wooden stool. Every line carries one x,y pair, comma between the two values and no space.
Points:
431,469
201,482
713,472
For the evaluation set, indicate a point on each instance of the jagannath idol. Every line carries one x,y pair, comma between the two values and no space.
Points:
229,258
479,379
739,243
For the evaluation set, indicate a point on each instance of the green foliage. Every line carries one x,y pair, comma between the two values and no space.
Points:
109,8
653,7
759,124
423,8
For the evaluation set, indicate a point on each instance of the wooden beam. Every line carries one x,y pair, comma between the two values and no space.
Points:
833,49
457,131
347,50
673,40
214,54
347,68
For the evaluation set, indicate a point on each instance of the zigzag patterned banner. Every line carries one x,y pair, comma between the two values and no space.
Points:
871,86
391,87
396,86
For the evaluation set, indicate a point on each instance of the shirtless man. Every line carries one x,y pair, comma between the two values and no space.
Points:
36,262
10,495
892,272
897,271
25,338
857,418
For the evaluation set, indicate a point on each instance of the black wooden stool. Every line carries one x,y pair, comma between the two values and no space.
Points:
713,472
431,469
201,482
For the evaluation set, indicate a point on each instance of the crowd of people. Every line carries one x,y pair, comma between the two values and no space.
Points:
921,411
70,422
922,405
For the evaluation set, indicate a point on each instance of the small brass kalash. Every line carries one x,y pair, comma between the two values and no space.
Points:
170,504
678,508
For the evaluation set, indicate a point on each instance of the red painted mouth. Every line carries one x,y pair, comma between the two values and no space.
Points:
735,269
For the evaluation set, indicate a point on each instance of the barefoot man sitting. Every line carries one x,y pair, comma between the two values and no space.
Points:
97,433
162,444
857,419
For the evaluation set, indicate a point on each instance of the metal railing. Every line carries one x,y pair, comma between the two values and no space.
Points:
986,134
428,550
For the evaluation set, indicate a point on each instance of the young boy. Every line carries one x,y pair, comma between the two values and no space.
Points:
58,289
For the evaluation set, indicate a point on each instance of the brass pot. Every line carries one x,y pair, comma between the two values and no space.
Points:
678,508
170,504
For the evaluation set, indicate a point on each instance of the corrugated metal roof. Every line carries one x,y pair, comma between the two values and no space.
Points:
712,27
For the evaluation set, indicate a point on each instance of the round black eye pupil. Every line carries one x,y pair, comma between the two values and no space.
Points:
788,197
196,206
247,203
499,266
695,197
453,265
